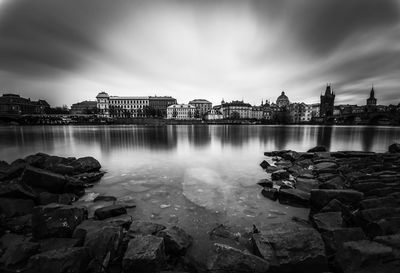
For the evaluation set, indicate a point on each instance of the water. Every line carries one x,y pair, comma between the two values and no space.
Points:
193,176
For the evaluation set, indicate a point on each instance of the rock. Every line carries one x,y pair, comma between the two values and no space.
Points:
16,249
264,164
317,149
280,175
74,260
333,205
144,228
14,170
89,177
389,240
328,221
109,211
335,183
320,198
15,207
335,238
224,259
57,243
144,254
394,148
271,169
386,226
387,201
37,160
291,247
56,220
20,225
306,184
15,189
358,255
290,155
102,240
294,197
224,232
372,215
325,166
43,179
86,164
270,193
176,240
46,198
266,183
123,221
3,167
104,198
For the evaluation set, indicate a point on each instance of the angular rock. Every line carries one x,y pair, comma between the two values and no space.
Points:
306,184
15,189
224,259
16,249
333,205
387,201
46,198
291,248
270,193
74,260
16,207
358,255
394,148
280,175
335,238
265,183
91,177
290,155
15,169
123,221
86,164
109,211
375,214
56,220
389,240
57,243
43,179
104,198
294,197
144,228
320,198
317,149
386,226
336,183
271,169
144,254
264,164
176,240
325,165
328,221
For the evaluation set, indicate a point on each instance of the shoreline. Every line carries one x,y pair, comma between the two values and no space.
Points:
353,199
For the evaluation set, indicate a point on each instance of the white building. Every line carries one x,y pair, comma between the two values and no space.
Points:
202,105
257,112
121,107
181,111
213,115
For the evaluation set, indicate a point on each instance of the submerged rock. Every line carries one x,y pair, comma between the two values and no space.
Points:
224,259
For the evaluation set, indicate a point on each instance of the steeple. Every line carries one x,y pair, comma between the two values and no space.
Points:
372,93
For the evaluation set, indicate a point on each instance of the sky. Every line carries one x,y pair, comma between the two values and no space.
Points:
69,51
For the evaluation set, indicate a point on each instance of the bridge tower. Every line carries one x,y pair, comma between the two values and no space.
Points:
327,102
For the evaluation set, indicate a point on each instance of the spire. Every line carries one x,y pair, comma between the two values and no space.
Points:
372,93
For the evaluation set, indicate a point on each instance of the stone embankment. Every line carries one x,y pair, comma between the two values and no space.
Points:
354,220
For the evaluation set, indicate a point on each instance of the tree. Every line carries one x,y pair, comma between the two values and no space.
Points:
197,113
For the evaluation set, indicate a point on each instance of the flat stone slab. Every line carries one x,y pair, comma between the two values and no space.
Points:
328,220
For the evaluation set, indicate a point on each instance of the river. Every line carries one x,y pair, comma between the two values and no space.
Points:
195,176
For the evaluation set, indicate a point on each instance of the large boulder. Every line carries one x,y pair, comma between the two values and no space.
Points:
335,183
224,259
56,220
144,228
317,149
15,189
280,175
291,247
270,193
16,207
176,240
356,256
16,249
102,240
109,211
144,254
394,148
74,260
335,238
85,164
306,184
14,170
264,164
294,197
43,179
328,221
320,198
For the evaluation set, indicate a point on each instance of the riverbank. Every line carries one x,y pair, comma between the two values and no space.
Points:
353,199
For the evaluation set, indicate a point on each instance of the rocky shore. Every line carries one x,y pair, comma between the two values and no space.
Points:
353,226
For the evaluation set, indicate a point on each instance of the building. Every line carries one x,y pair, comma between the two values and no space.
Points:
257,112
158,105
236,110
202,105
12,104
84,108
371,101
327,103
282,101
121,107
181,111
296,112
213,115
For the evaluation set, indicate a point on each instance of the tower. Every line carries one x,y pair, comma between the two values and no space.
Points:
327,102
371,101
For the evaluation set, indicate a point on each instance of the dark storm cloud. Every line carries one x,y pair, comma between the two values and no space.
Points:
40,37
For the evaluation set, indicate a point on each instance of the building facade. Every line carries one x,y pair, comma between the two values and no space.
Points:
327,103
181,111
213,115
160,104
236,110
202,105
121,107
84,108
12,104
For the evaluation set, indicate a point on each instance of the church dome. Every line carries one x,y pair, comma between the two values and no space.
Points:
282,100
